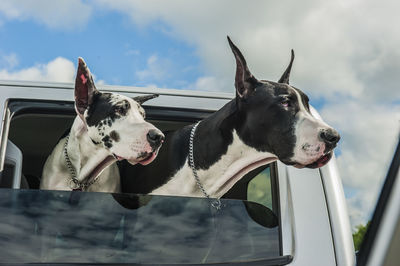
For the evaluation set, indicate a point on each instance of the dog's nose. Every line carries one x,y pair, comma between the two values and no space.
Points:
329,136
155,137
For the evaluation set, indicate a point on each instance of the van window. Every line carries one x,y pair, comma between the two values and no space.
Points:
118,228
259,189
84,227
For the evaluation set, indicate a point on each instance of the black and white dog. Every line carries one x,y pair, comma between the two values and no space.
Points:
109,127
267,121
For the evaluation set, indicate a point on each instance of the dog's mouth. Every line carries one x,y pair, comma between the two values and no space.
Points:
149,157
324,159
144,158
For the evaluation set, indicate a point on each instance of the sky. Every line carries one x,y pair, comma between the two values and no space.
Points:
347,59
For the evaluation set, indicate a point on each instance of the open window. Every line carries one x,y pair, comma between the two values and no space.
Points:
35,127
134,228
12,168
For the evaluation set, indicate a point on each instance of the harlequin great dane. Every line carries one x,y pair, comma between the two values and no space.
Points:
109,127
267,121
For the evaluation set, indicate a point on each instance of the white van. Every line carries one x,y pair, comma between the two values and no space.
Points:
276,215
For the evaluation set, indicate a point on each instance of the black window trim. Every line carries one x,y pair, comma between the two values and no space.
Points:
276,201
377,218
276,261
28,106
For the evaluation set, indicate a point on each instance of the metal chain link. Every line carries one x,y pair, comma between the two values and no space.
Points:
74,183
217,203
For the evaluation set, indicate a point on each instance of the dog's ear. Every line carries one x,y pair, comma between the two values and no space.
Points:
84,87
286,74
142,99
245,82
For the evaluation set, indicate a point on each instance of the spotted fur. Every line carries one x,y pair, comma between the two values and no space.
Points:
108,127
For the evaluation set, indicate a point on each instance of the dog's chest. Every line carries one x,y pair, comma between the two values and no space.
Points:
107,181
182,183
215,178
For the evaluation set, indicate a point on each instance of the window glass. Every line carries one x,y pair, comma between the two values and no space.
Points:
259,188
61,226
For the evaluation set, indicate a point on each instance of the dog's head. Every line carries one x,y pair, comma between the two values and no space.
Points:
116,122
275,117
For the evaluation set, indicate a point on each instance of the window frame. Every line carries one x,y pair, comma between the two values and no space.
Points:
15,107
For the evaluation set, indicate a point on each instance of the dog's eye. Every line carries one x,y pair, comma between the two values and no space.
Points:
119,110
285,103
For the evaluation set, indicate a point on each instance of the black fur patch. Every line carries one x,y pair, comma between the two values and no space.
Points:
95,142
107,141
263,115
171,157
261,122
103,109
122,107
114,135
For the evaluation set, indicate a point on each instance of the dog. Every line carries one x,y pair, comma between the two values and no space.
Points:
109,127
265,122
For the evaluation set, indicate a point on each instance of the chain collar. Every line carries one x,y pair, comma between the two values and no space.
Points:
217,203
74,183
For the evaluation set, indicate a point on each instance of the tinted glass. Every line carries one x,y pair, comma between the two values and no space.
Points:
59,226
259,188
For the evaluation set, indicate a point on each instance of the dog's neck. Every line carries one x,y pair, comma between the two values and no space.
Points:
238,160
220,157
88,159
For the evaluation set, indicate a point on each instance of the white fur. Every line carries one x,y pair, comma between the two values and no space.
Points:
132,129
220,176
82,152
85,156
309,147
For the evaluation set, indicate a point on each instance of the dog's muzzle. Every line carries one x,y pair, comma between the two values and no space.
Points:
330,137
155,138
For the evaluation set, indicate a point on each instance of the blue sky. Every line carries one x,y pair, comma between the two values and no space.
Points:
117,51
114,49
347,64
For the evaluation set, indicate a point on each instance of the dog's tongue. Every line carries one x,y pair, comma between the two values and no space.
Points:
321,161
149,159
317,164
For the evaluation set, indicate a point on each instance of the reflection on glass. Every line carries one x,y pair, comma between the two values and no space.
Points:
59,226
259,188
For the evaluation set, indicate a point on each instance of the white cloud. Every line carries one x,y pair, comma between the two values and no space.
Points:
366,130
209,83
64,14
157,69
369,134
9,61
57,70
335,44
346,54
